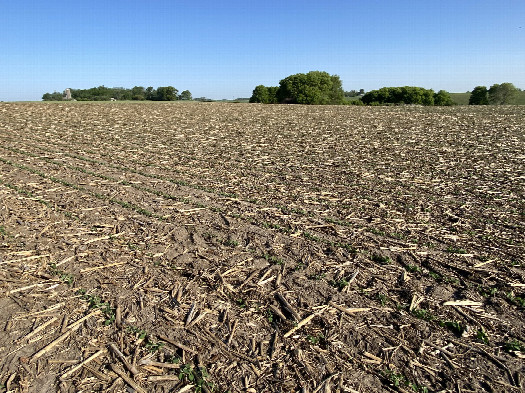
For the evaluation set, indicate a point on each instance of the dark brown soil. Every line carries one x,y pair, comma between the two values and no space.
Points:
252,248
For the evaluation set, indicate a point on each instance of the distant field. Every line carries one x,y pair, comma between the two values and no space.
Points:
460,98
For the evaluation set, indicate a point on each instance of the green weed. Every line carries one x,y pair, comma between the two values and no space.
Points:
412,268
455,250
273,259
399,380
315,339
381,259
95,302
421,313
514,346
482,336
196,376
309,236
517,300
62,275
269,315
454,326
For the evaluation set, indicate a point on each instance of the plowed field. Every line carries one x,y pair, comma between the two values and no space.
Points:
157,247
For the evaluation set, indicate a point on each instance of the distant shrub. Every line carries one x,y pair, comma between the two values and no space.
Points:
313,88
399,95
56,96
443,98
502,94
479,96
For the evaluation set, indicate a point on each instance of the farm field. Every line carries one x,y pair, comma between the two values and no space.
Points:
221,247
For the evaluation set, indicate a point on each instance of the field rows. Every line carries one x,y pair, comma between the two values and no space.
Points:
194,221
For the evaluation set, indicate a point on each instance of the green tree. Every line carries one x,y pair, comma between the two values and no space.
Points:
479,96
151,93
55,96
272,94
399,95
313,88
138,93
351,93
168,93
443,98
185,95
260,95
502,94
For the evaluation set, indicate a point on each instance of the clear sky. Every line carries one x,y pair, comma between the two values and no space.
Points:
223,49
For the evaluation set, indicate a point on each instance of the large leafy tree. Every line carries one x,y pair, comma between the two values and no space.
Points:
138,93
313,88
186,95
479,96
443,98
265,95
272,94
168,93
502,94
260,95
55,96
151,93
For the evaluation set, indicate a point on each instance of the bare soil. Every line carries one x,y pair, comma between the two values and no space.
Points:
157,247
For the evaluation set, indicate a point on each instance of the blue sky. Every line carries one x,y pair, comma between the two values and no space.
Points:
223,49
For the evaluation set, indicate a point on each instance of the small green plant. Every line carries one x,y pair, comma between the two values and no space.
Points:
482,336
340,284
173,359
456,250
230,243
451,280
514,346
241,303
269,315
383,299
412,268
196,376
309,236
421,313
399,380
133,246
376,232
153,346
487,292
141,333
95,302
150,345
62,275
273,259
315,339
300,266
381,259
518,301
454,326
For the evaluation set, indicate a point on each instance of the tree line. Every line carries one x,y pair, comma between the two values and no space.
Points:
318,88
138,93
